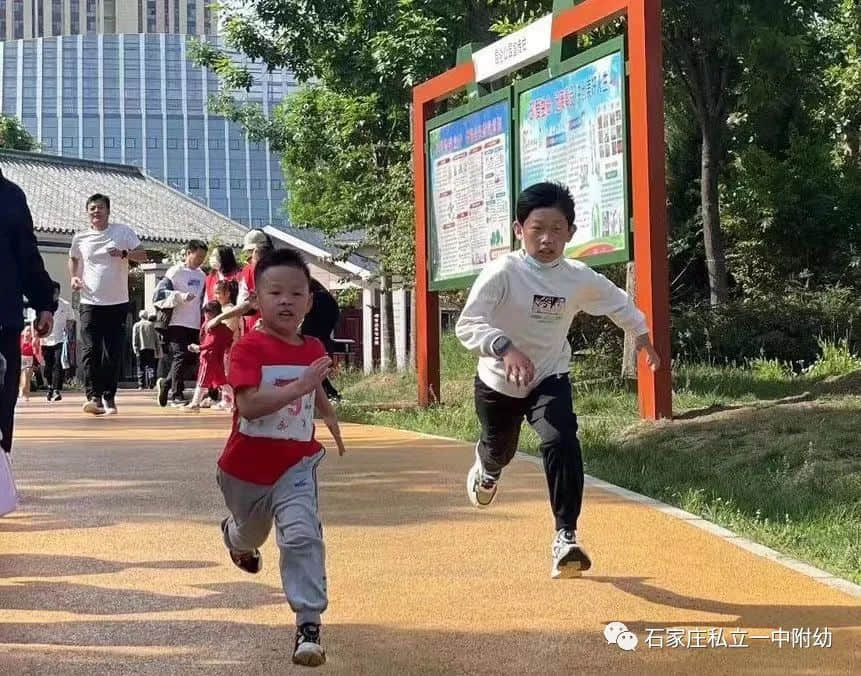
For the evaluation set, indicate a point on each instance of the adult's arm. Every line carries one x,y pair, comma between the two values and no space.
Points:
37,285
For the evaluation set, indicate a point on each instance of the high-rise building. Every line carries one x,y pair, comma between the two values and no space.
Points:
136,98
22,19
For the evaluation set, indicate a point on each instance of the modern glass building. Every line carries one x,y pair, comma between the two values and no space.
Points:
21,19
136,98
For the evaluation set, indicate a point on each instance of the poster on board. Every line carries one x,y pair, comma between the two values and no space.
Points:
470,194
572,131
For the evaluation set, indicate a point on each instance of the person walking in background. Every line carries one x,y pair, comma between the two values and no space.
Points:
320,323
31,357
99,268
53,346
145,347
187,283
213,348
22,272
224,268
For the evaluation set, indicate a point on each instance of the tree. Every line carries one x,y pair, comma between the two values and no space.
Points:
722,53
13,135
843,76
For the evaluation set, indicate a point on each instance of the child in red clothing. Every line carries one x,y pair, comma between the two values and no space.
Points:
213,348
268,470
31,355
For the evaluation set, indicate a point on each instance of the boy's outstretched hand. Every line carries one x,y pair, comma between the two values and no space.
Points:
642,342
316,373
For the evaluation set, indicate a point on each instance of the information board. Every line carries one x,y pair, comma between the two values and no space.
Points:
470,210
572,130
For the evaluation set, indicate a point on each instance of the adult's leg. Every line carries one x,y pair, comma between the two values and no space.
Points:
181,358
114,340
551,415
53,367
10,348
500,417
91,350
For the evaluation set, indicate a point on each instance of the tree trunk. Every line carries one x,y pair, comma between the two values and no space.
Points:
629,355
853,142
715,257
386,325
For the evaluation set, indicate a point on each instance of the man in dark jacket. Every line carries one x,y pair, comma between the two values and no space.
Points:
22,272
320,323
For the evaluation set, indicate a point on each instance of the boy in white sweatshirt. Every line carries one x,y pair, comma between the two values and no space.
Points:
517,318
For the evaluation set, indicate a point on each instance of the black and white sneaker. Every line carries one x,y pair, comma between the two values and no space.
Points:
569,557
308,651
162,387
480,486
93,406
110,405
57,397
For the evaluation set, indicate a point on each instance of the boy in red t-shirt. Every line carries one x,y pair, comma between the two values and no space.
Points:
268,469
214,345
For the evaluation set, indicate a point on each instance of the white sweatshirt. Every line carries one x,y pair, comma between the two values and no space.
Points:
533,304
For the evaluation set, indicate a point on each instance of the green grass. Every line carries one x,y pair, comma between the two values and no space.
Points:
784,472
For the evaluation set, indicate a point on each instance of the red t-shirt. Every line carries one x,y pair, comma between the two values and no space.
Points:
27,349
246,288
217,341
260,451
213,278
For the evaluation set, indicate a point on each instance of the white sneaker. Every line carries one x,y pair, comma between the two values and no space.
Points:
569,557
110,405
93,406
308,651
189,408
206,403
480,486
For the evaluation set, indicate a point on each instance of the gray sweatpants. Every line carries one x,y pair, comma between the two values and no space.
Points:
292,503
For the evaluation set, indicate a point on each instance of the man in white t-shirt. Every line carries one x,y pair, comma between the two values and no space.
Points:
52,346
99,268
186,301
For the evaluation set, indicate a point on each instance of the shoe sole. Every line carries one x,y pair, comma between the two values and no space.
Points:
162,392
309,657
572,565
470,482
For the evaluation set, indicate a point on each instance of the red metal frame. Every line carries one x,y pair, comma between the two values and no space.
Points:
648,191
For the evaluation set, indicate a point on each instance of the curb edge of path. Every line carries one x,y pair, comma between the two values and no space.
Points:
821,576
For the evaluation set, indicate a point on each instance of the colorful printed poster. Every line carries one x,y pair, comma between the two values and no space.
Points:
470,192
572,131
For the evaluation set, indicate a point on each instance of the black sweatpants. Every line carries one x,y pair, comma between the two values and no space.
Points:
549,409
103,337
53,370
146,361
178,362
10,347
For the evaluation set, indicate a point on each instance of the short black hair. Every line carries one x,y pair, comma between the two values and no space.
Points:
542,196
99,197
213,308
288,258
56,286
196,245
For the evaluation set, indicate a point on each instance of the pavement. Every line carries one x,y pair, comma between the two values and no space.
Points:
114,565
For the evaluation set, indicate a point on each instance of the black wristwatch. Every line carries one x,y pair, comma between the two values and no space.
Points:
500,346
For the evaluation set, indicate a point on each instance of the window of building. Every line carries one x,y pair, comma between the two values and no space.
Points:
175,182
175,16
92,15
56,17
193,144
75,16
47,141
38,19
89,142
194,184
207,18
18,19
152,143
150,16
276,184
131,142
257,184
2,19
110,12
214,184
216,143
110,142
235,144
166,15
236,183
191,17
172,144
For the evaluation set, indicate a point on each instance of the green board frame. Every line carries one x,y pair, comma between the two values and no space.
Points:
472,106
555,70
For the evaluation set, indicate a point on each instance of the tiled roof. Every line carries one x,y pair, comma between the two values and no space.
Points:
336,249
57,189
